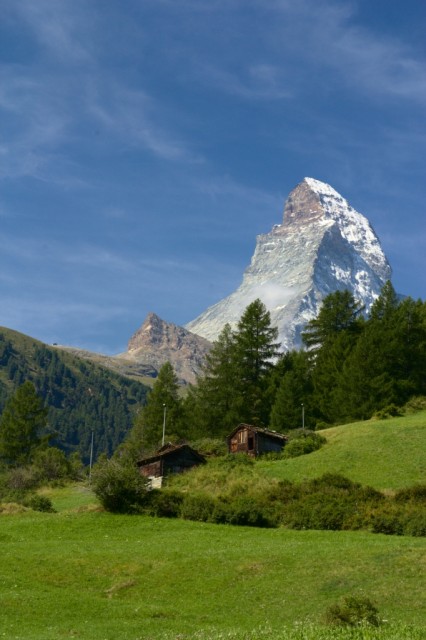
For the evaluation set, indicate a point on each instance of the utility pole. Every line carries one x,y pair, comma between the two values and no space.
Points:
91,459
164,423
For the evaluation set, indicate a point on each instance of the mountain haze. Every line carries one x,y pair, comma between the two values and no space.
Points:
322,245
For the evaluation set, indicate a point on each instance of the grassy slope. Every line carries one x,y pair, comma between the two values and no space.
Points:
386,454
94,575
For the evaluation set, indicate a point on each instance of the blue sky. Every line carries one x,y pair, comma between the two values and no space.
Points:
145,143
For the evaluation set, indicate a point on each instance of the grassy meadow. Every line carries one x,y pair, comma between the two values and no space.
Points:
385,454
84,573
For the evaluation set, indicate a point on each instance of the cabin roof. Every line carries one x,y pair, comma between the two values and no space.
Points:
169,449
269,433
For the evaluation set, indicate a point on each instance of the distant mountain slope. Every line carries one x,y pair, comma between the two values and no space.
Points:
157,342
322,245
82,396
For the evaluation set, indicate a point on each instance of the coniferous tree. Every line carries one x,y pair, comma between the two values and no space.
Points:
212,406
22,423
162,402
331,337
339,312
292,406
255,351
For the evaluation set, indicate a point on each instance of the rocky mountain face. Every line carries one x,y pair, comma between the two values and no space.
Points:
157,342
322,245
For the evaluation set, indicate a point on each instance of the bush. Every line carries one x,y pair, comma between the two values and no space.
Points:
390,411
318,511
21,479
198,507
119,487
243,511
416,493
38,503
301,442
51,464
163,503
353,611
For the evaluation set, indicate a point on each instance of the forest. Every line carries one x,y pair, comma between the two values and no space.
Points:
352,366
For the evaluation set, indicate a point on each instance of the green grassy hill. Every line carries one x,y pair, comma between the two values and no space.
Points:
88,574
81,396
385,454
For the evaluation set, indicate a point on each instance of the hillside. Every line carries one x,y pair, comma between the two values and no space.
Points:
83,397
93,575
385,454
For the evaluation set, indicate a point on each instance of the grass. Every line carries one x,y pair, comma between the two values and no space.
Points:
87,574
385,454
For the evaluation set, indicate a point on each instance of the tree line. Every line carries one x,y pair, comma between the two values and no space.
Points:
351,366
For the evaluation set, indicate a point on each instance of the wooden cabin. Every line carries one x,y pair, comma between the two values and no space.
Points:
169,459
254,441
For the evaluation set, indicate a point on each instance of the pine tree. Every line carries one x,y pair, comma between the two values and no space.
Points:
255,351
162,402
339,312
21,425
294,395
211,406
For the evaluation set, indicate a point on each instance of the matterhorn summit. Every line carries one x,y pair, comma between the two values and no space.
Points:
322,245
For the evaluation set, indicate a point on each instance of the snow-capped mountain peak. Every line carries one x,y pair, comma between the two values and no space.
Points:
322,245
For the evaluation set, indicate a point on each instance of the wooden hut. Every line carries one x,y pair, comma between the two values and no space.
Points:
254,441
169,459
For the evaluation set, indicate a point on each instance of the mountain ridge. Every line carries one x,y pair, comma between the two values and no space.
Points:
323,244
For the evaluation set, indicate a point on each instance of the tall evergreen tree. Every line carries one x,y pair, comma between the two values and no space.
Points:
255,351
22,423
339,312
162,402
212,406
293,406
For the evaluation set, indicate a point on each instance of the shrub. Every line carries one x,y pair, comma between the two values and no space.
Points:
416,493
387,519
244,511
414,522
119,487
353,611
390,411
415,404
22,478
51,464
38,503
163,503
318,511
301,442
198,507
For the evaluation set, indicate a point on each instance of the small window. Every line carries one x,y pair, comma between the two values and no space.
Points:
250,443
242,437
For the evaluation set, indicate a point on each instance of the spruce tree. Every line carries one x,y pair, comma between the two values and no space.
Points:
255,351
21,425
294,396
212,407
162,401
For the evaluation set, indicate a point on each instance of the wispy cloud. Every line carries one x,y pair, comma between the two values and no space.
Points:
128,114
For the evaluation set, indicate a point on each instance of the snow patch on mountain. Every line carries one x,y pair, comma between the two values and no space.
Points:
322,245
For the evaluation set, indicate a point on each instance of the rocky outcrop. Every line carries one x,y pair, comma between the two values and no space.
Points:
322,245
157,342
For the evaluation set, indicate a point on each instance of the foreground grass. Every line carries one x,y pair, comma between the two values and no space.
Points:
385,454
95,576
